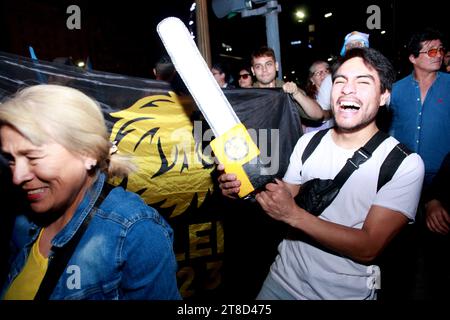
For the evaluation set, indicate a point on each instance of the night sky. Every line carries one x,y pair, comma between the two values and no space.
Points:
121,37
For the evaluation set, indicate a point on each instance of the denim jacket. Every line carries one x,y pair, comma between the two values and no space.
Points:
125,253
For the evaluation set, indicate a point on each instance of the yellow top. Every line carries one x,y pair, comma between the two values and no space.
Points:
26,284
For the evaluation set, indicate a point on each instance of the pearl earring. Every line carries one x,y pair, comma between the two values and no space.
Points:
91,165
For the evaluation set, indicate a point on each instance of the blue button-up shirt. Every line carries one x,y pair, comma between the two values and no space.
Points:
424,128
125,253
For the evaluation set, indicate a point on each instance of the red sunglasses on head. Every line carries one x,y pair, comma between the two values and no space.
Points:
433,52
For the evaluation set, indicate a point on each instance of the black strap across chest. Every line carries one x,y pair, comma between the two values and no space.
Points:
359,157
59,260
387,170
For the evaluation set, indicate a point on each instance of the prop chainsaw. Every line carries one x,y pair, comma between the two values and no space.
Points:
233,146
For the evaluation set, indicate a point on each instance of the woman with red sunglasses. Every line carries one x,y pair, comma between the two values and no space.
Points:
245,78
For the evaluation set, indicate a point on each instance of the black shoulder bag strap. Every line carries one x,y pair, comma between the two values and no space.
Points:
391,164
388,168
359,157
313,143
62,255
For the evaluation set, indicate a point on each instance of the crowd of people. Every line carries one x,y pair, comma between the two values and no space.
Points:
370,185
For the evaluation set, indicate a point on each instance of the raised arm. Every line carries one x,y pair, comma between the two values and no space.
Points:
309,105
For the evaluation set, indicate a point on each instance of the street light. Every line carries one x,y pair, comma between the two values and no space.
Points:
300,14
270,10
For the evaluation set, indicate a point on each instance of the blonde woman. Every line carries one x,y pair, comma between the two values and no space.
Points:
117,247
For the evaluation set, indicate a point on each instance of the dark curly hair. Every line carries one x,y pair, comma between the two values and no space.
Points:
374,59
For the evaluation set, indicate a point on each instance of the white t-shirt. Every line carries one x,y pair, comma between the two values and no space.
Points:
308,272
324,94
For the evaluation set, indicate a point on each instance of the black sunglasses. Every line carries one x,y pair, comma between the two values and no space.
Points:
244,76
